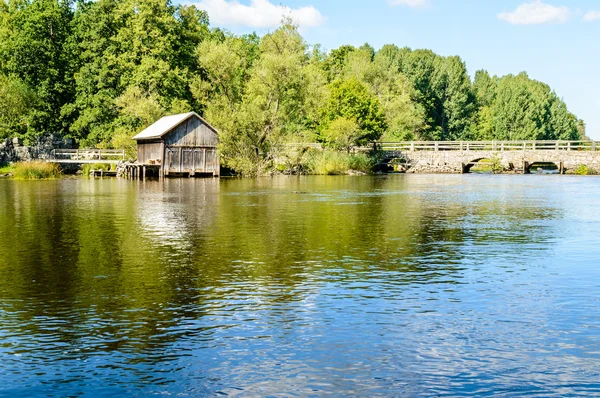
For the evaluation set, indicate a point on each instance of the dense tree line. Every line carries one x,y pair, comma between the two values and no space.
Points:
100,71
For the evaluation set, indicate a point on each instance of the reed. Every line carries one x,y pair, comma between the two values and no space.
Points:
36,170
337,163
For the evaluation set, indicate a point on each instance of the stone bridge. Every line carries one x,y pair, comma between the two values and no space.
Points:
515,156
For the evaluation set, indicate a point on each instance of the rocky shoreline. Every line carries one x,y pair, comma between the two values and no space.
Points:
13,150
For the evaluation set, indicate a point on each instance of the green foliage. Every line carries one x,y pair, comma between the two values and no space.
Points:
525,109
342,134
6,169
351,99
101,71
34,48
17,100
338,163
582,170
36,170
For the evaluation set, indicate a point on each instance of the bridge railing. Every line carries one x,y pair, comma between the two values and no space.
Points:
88,154
489,146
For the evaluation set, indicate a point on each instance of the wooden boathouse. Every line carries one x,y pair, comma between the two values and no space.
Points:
179,145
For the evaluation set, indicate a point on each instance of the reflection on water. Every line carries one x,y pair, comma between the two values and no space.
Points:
355,286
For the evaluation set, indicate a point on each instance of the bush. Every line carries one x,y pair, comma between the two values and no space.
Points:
5,169
36,170
342,134
582,170
336,163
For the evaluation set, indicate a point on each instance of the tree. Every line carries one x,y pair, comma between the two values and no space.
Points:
342,134
146,45
34,48
525,109
352,100
257,107
17,102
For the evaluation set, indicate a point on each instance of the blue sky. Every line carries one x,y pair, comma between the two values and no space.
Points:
555,41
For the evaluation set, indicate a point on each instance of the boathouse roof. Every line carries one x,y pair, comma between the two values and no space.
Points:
167,124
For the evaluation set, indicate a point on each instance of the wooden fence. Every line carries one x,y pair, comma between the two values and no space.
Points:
488,146
87,156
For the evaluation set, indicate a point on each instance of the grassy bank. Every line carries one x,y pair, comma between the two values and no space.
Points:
36,170
338,163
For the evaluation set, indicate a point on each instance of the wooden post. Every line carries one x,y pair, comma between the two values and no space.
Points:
525,167
162,159
561,168
437,146
144,172
412,146
193,172
594,146
569,146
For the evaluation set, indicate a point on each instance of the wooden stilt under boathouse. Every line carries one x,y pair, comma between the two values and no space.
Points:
179,145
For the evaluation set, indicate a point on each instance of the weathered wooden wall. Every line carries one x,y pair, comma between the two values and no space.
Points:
191,160
192,133
149,152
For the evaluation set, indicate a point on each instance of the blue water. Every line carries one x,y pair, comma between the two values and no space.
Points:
301,286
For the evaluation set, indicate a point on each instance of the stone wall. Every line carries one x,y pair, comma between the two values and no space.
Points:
452,161
13,150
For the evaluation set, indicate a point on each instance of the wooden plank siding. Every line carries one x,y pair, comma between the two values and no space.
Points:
192,133
189,147
149,152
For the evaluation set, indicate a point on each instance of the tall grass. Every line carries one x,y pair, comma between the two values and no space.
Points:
36,170
337,163
5,169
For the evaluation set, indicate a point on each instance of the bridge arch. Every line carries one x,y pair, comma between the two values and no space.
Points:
544,167
394,163
481,164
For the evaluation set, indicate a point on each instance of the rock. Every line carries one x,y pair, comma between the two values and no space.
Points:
17,141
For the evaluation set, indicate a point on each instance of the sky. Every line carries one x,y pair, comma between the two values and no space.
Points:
555,41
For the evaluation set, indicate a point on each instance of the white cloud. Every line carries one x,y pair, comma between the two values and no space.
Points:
592,16
259,14
409,3
536,13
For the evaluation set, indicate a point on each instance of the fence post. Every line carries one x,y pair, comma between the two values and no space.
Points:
437,148
594,146
569,146
412,146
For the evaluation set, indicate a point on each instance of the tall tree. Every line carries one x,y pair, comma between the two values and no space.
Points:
34,48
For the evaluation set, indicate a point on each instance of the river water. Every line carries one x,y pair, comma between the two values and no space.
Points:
301,286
